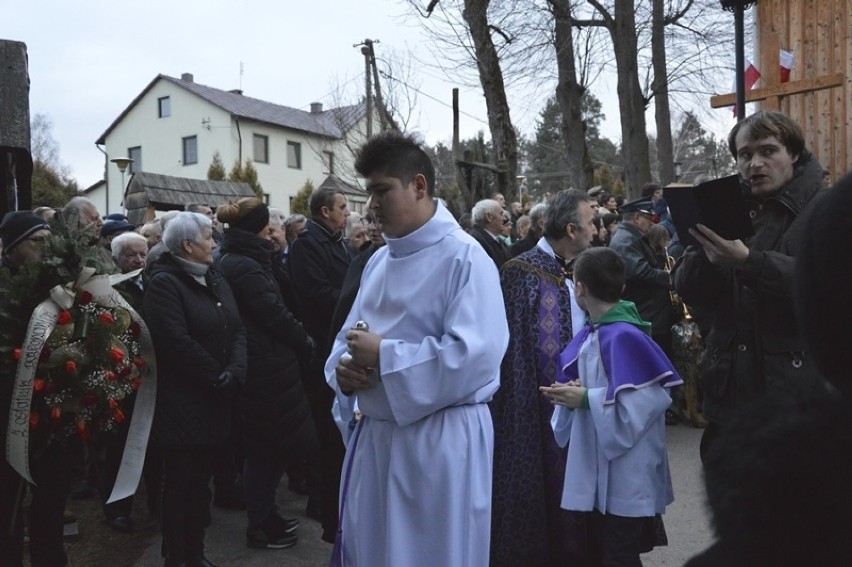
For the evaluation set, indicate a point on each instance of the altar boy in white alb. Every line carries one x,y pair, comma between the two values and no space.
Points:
416,483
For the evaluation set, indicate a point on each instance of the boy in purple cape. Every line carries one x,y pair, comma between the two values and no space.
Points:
611,403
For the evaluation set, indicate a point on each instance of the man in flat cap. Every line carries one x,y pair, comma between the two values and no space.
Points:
647,282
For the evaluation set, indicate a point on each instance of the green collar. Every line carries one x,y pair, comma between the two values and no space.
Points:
625,312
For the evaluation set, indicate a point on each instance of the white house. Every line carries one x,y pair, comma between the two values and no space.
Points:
175,126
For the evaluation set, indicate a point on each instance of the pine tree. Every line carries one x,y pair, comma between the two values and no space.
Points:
301,202
247,173
216,171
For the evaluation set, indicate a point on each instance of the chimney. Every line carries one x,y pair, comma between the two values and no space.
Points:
316,108
186,77
236,91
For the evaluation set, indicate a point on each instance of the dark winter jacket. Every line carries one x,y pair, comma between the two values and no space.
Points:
495,249
755,344
318,264
275,411
647,283
197,335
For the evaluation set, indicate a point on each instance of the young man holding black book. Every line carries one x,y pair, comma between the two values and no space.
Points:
754,344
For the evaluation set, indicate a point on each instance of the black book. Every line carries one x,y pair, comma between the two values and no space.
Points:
718,204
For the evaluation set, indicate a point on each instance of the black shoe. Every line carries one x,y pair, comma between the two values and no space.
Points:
672,418
199,562
314,509
272,534
121,524
286,525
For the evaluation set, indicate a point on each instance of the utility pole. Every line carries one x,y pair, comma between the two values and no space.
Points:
371,75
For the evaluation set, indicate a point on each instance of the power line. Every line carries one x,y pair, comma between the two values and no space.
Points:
436,99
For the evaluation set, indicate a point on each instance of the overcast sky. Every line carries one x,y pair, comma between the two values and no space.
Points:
88,59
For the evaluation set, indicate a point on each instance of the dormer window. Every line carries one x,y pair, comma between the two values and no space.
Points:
164,107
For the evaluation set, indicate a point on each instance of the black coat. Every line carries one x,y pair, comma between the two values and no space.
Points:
755,344
275,411
318,263
646,282
197,335
495,249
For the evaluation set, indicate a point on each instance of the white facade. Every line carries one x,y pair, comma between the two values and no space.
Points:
168,119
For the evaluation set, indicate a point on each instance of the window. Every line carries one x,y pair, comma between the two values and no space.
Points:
261,148
294,155
190,150
135,154
328,162
164,107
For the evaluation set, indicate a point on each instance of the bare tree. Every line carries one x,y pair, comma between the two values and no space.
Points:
503,136
569,93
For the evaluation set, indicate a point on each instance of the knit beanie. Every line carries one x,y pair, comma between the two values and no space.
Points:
17,226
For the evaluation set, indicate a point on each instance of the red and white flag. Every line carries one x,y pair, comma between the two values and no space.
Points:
786,59
752,75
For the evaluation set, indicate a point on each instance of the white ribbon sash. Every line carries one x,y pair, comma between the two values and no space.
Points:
41,325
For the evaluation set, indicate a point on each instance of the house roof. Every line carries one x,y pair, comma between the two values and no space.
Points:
331,123
334,182
165,192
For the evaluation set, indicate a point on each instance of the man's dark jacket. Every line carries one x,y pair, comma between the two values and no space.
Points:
755,344
647,284
495,249
528,242
318,263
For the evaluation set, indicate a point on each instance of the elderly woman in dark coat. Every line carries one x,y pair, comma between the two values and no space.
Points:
277,424
200,345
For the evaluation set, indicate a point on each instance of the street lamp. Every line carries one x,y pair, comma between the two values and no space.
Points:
738,7
520,180
678,170
122,163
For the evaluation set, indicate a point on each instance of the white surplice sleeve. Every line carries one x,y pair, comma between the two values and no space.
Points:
461,363
619,425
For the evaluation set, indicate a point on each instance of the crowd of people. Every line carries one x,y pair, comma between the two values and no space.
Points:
491,390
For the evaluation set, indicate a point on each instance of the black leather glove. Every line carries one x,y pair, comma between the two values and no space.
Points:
225,382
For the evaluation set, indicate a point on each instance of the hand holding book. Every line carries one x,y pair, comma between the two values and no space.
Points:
718,205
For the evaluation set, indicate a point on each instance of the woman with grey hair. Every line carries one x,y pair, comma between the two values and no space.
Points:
200,343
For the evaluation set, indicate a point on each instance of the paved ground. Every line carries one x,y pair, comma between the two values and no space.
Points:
687,522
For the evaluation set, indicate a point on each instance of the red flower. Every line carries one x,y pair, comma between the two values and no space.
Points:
16,354
139,362
34,419
70,366
90,400
136,383
64,317
116,354
112,403
124,371
111,376
106,318
55,412
38,385
85,298
118,416
83,430
135,330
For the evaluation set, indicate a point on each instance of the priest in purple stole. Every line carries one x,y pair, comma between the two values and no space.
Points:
528,527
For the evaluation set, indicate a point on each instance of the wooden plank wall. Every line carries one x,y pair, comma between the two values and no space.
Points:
820,33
